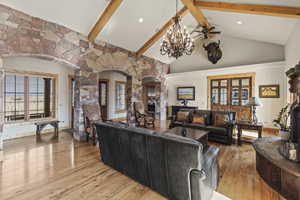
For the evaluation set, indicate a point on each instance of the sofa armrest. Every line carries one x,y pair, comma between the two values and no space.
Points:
200,190
229,125
173,118
229,129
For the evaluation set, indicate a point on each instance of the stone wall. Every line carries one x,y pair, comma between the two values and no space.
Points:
23,35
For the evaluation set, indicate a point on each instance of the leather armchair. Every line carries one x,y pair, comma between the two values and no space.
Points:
142,117
91,115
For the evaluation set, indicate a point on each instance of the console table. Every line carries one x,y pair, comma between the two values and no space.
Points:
245,125
175,109
41,125
279,173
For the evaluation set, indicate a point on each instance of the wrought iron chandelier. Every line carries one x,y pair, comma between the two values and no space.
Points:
177,41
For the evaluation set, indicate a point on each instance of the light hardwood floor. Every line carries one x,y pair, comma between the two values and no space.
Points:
73,170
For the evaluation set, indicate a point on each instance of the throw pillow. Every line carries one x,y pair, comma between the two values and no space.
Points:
183,116
220,120
199,120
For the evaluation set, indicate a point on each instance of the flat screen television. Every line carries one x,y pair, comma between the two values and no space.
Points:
186,93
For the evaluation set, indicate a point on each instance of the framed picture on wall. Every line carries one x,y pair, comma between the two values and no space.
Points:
186,93
269,91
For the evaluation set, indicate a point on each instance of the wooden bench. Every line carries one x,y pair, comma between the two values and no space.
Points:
41,125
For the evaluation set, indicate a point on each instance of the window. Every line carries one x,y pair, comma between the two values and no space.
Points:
219,92
28,97
14,98
120,96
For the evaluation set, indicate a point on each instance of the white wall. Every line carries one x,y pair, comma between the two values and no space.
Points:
113,77
292,47
270,73
236,52
38,65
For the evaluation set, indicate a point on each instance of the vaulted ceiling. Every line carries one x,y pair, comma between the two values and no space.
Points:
125,30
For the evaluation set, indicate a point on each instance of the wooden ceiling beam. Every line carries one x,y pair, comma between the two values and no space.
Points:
278,11
160,33
104,18
197,14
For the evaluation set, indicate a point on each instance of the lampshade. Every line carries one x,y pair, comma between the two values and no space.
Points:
254,101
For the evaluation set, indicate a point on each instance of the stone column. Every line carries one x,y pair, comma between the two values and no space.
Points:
1,108
86,92
163,100
77,110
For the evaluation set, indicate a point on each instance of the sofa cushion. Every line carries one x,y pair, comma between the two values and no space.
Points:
183,116
199,120
220,119
204,113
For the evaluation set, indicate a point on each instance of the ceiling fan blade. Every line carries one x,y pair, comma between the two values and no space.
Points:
211,28
215,32
197,37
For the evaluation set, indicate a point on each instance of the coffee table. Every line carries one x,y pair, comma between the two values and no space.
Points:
196,134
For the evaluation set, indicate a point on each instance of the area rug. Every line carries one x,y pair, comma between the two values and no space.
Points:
218,196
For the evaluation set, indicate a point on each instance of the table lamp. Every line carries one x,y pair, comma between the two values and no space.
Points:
254,102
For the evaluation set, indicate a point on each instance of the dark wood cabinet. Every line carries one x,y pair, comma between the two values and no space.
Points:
175,109
280,174
232,93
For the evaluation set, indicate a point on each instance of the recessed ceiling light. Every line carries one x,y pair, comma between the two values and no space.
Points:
141,20
239,22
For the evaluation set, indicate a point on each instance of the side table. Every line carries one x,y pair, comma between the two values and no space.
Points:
247,125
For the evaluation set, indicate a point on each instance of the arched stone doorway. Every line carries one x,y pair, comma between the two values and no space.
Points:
128,92
152,95
160,95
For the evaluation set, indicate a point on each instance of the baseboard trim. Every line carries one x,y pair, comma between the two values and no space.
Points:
119,119
26,134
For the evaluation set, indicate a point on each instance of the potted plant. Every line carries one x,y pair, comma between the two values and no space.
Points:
282,122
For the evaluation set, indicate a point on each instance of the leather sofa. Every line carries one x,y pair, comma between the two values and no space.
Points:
217,133
174,166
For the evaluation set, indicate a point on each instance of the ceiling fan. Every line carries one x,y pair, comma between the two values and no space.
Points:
203,32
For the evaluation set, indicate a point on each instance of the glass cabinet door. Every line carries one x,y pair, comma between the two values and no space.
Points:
215,96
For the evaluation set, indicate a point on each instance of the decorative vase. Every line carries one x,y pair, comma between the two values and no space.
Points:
285,135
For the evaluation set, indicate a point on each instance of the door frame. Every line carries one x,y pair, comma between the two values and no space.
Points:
70,79
229,76
107,97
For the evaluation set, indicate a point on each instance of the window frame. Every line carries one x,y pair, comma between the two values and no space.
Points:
125,103
26,75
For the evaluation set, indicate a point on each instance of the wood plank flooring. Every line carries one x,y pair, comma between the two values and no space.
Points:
71,170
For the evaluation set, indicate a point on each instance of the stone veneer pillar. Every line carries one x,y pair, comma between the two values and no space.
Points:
86,92
1,108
